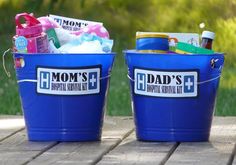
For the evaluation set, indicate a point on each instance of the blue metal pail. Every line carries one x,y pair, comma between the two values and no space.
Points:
63,95
173,95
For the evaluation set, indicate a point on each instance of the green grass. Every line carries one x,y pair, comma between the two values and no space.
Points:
9,98
119,95
226,97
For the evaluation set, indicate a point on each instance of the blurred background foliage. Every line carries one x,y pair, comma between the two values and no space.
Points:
123,18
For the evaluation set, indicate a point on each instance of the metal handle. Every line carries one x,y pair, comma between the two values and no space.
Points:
216,63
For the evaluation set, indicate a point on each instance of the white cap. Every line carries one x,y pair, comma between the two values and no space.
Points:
208,34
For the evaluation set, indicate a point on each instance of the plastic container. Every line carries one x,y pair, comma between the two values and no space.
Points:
152,42
173,95
63,95
29,37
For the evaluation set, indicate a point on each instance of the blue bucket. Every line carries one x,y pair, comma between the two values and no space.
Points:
173,95
63,95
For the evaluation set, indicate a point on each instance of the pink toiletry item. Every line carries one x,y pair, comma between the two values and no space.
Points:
95,29
32,31
31,28
48,23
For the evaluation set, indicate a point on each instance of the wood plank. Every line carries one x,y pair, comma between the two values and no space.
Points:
234,156
219,150
114,131
131,151
76,152
117,127
202,154
18,150
10,125
223,129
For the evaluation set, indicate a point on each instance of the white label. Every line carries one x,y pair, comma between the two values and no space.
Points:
165,83
68,81
72,24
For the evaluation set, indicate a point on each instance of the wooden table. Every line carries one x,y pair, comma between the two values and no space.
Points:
118,146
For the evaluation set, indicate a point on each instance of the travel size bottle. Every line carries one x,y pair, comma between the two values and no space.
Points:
29,37
207,39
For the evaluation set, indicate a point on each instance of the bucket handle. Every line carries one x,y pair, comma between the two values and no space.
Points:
3,63
33,80
202,82
216,63
209,80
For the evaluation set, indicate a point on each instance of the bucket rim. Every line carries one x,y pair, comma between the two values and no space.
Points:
63,54
133,51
